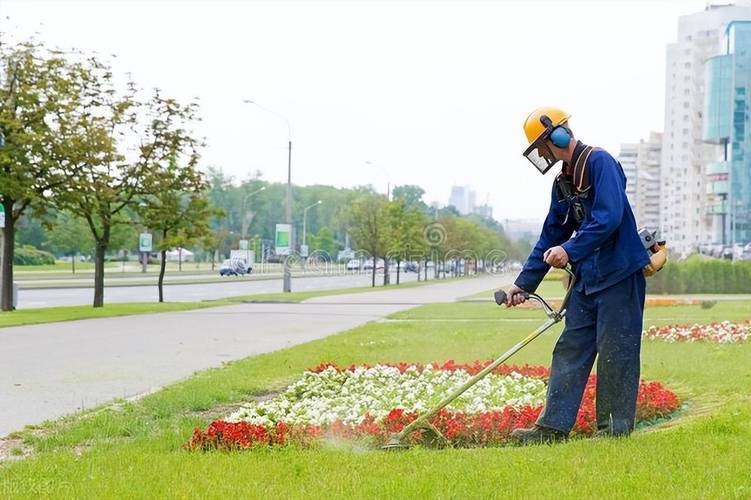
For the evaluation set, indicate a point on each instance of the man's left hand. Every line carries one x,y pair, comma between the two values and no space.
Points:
556,257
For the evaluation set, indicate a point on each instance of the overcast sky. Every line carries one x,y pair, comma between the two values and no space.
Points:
430,93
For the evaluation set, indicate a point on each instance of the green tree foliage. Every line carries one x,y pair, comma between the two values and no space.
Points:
411,195
368,225
323,243
405,239
103,178
30,93
71,236
176,209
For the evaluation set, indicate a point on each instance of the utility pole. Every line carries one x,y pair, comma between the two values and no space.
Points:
287,281
287,284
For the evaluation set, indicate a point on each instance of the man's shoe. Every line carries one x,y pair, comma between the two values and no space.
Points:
538,435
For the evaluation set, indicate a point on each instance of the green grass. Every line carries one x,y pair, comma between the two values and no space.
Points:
134,450
548,288
41,315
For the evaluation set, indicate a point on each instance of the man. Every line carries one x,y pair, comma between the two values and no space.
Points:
604,313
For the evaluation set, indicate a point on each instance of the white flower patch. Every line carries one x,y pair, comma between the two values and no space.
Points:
721,333
328,396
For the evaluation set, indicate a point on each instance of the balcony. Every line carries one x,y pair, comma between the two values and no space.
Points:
718,167
720,208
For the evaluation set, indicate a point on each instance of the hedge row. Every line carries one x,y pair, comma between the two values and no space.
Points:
700,275
29,256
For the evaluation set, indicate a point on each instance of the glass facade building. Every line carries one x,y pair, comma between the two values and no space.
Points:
727,121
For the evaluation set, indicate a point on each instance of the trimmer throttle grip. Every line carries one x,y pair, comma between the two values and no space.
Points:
501,298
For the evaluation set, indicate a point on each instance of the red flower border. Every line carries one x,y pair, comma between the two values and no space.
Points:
490,428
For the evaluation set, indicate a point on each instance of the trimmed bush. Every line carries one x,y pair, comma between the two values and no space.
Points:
27,255
701,275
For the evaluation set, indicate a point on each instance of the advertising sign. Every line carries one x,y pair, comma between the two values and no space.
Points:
282,239
144,242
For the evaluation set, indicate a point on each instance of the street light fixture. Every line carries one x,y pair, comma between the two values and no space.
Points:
245,213
287,283
305,222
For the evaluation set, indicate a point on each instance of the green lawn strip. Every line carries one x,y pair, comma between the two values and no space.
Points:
659,315
134,450
548,288
149,280
41,315
22,317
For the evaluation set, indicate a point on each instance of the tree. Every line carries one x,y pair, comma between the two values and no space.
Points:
405,238
30,91
411,195
323,242
368,227
213,241
103,177
70,236
176,210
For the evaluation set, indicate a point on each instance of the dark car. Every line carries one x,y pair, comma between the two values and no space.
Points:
234,267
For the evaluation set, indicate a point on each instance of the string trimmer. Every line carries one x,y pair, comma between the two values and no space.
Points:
431,435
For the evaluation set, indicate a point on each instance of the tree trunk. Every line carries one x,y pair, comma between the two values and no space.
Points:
73,262
373,273
162,267
398,266
101,249
213,259
426,268
180,259
9,241
385,271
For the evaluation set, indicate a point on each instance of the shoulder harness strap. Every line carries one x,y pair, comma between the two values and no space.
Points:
581,179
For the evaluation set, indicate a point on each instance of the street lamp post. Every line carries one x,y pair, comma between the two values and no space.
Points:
287,282
305,223
245,213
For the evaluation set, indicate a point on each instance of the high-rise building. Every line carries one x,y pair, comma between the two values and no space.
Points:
462,199
641,164
727,122
684,152
627,159
648,155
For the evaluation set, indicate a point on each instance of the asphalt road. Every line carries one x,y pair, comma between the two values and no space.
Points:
188,293
47,371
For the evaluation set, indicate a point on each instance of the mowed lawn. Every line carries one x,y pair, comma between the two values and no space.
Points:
134,450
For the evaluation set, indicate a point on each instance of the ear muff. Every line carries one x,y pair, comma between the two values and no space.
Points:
560,137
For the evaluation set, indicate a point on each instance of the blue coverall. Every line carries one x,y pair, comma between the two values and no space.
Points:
605,310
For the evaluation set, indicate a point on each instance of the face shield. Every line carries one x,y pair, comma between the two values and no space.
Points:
539,154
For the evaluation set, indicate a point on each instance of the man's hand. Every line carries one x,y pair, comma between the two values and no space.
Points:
515,296
556,257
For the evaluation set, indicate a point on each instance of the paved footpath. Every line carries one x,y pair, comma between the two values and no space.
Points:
47,371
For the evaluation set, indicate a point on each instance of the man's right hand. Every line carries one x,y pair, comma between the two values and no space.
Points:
515,296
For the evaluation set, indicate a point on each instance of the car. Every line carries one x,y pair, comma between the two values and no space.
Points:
410,267
234,267
354,265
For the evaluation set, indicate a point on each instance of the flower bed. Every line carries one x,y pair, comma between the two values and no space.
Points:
370,403
721,333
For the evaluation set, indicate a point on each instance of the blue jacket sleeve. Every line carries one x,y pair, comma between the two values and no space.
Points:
607,208
554,232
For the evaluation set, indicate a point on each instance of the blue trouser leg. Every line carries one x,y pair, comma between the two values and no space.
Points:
573,357
608,323
620,314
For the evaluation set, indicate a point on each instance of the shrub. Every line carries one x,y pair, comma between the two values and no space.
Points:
27,255
701,275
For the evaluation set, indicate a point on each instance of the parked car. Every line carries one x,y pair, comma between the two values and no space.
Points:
234,267
410,267
353,265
